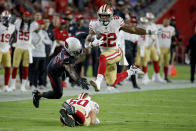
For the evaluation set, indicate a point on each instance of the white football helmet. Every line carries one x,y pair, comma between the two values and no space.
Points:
84,96
73,46
143,20
105,14
150,16
5,17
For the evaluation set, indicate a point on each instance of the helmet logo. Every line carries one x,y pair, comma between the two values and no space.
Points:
66,45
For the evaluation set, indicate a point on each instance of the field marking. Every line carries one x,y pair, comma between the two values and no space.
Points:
32,129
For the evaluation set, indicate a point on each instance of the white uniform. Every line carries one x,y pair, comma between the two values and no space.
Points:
167,33
24,36
87,105
110,33
5,36
152,39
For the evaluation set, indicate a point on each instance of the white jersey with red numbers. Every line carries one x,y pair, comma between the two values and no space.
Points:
152,39
24,35
87,105
110,33
166,36
5,33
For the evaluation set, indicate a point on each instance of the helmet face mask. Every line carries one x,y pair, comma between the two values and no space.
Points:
5,18
105,14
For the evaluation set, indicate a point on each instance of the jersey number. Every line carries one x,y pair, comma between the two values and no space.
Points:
24,36
5,38
109,39
166,35
79,102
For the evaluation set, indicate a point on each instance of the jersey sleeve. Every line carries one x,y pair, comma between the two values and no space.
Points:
173,31
17,24
121,21
34,26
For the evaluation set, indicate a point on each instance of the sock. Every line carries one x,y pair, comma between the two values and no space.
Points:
79,117
145,69
156,66
25,71
14,72
166,71
102,65
23,83
137,66
120,77
6,76
99,77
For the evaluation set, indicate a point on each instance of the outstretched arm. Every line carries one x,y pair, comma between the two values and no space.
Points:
135,30
70,69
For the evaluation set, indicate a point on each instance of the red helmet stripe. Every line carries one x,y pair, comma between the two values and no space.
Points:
106,7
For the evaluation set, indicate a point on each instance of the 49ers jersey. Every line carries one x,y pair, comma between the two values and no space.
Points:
24,35
151,39
110,33
87,105
166,36
5,33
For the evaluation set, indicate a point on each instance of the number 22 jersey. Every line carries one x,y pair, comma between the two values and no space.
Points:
110,33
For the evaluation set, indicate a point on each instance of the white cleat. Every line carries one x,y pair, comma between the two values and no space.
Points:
145,79
158,78
111,89
7,89
133,70
23,89
96,84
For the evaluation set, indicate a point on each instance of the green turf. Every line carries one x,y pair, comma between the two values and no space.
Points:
160,110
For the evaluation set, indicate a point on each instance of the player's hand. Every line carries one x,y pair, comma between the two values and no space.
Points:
97,42
83,83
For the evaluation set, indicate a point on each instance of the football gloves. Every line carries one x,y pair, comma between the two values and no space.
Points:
83,83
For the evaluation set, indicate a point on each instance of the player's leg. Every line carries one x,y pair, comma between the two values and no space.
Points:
155,59
108,57
144,63
166,63
192,65
16,61
56,93
6,60
25,69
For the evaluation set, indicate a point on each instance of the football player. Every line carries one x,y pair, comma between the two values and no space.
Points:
165,43
6,31
79,111
65,60
23,48
153,48
108,27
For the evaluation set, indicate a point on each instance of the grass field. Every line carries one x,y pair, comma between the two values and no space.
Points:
158,110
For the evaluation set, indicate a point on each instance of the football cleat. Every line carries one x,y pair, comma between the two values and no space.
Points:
96,84
7,89
111,89
145,79
167,80
36,98
65,119
158,78
133,70
70,109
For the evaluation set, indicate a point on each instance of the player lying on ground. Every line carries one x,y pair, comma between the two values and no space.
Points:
108,27
79,111
65,60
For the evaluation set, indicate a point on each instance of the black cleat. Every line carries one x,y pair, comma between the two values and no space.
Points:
66,119
136,87
167,80
70,109
36,98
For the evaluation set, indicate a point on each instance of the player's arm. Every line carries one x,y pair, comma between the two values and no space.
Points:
81,81
135,30
92,115
13,38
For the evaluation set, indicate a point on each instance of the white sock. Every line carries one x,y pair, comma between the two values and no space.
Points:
23,83
99,77
13,82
